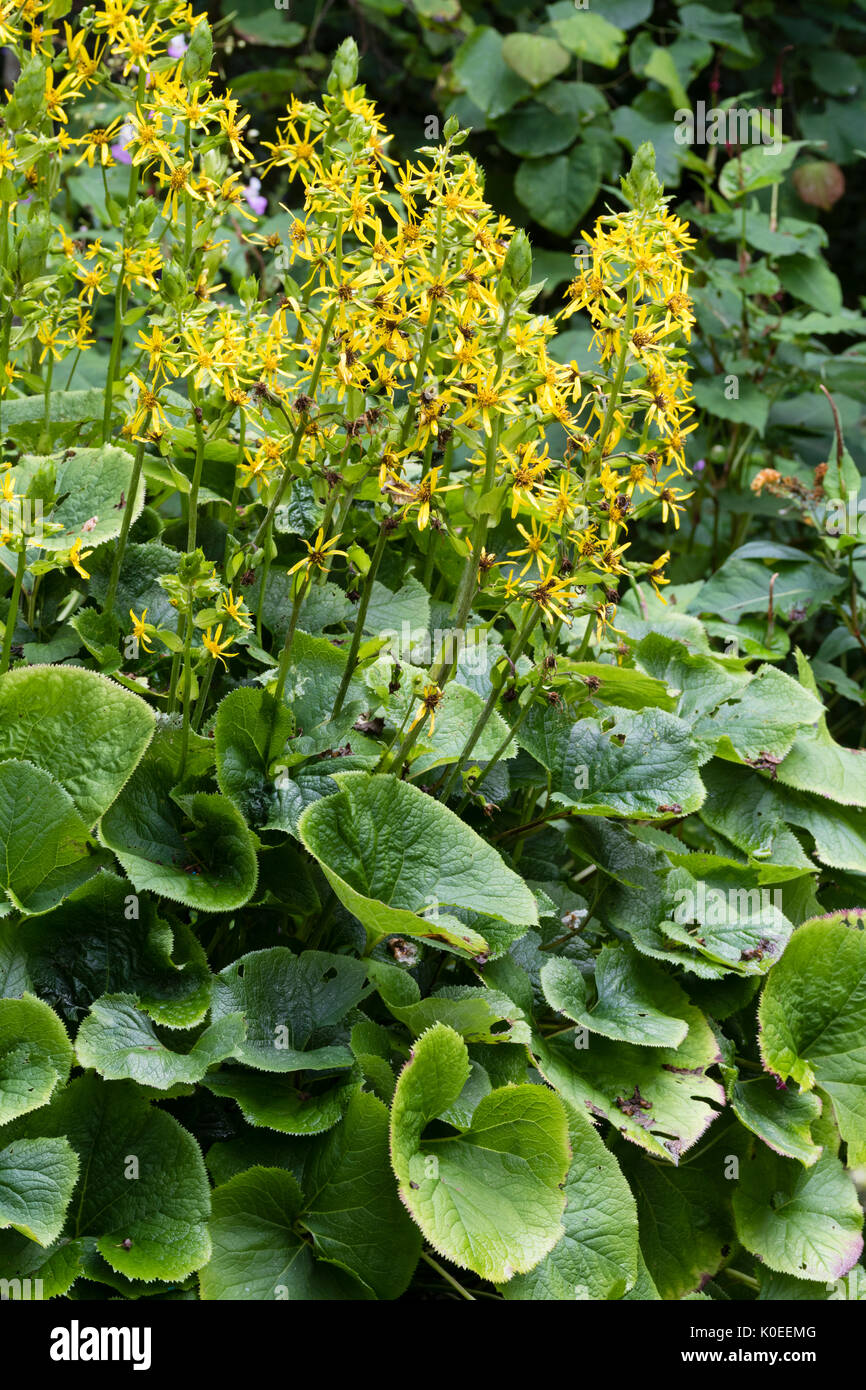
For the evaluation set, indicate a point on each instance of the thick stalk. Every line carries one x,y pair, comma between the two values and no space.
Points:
266,525
120,292
620,371
124,528
490,704
192,520
512,734
12,615
363,605
187,679
49,373
204,691
182,622
285,657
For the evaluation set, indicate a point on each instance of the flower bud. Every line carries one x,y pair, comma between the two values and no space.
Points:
344,69
641,186
28,98
199,55
516,268
31,248
172,283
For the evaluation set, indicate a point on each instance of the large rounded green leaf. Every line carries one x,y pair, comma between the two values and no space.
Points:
639,764
106,939
561,188
35,1055
659,1097
200,853
631,995
120,1042
813,1019
597,1258
490,1197
37,1178
43,839
389,851
534,58
92,485
805,1222
142,1192
80,727
257,1252
280,1102
293,1006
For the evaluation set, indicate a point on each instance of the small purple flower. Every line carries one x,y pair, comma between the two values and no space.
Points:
124,136
177,46
699,466
255,200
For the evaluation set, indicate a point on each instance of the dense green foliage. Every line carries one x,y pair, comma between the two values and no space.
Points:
413,883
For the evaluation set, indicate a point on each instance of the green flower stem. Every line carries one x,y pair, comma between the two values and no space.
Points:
267,524
266,567
4,357
192,520
381,765
120,292
187,200
204,691
12,615
120,548
114,355
512,733
75,357
236,489
585,639
49,373
490,704
187,680
445,670
363,605
620,371
466,588
449,1278
264,533
285,657
428,328
182,622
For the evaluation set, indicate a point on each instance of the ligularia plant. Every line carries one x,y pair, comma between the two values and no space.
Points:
388,862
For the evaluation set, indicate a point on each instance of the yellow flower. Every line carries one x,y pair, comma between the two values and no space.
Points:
48,336
216,647
321,553
233,607
534,548
672,500
97,144
431,699
487,560
292,149
139,631
147,406
76,555
550,595
179,185
485,393
656,577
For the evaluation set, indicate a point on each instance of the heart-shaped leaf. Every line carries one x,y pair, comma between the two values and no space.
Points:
811,1019
390,852
490,1197
80,727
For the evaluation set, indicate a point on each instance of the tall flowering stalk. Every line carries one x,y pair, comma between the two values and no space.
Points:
385,372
